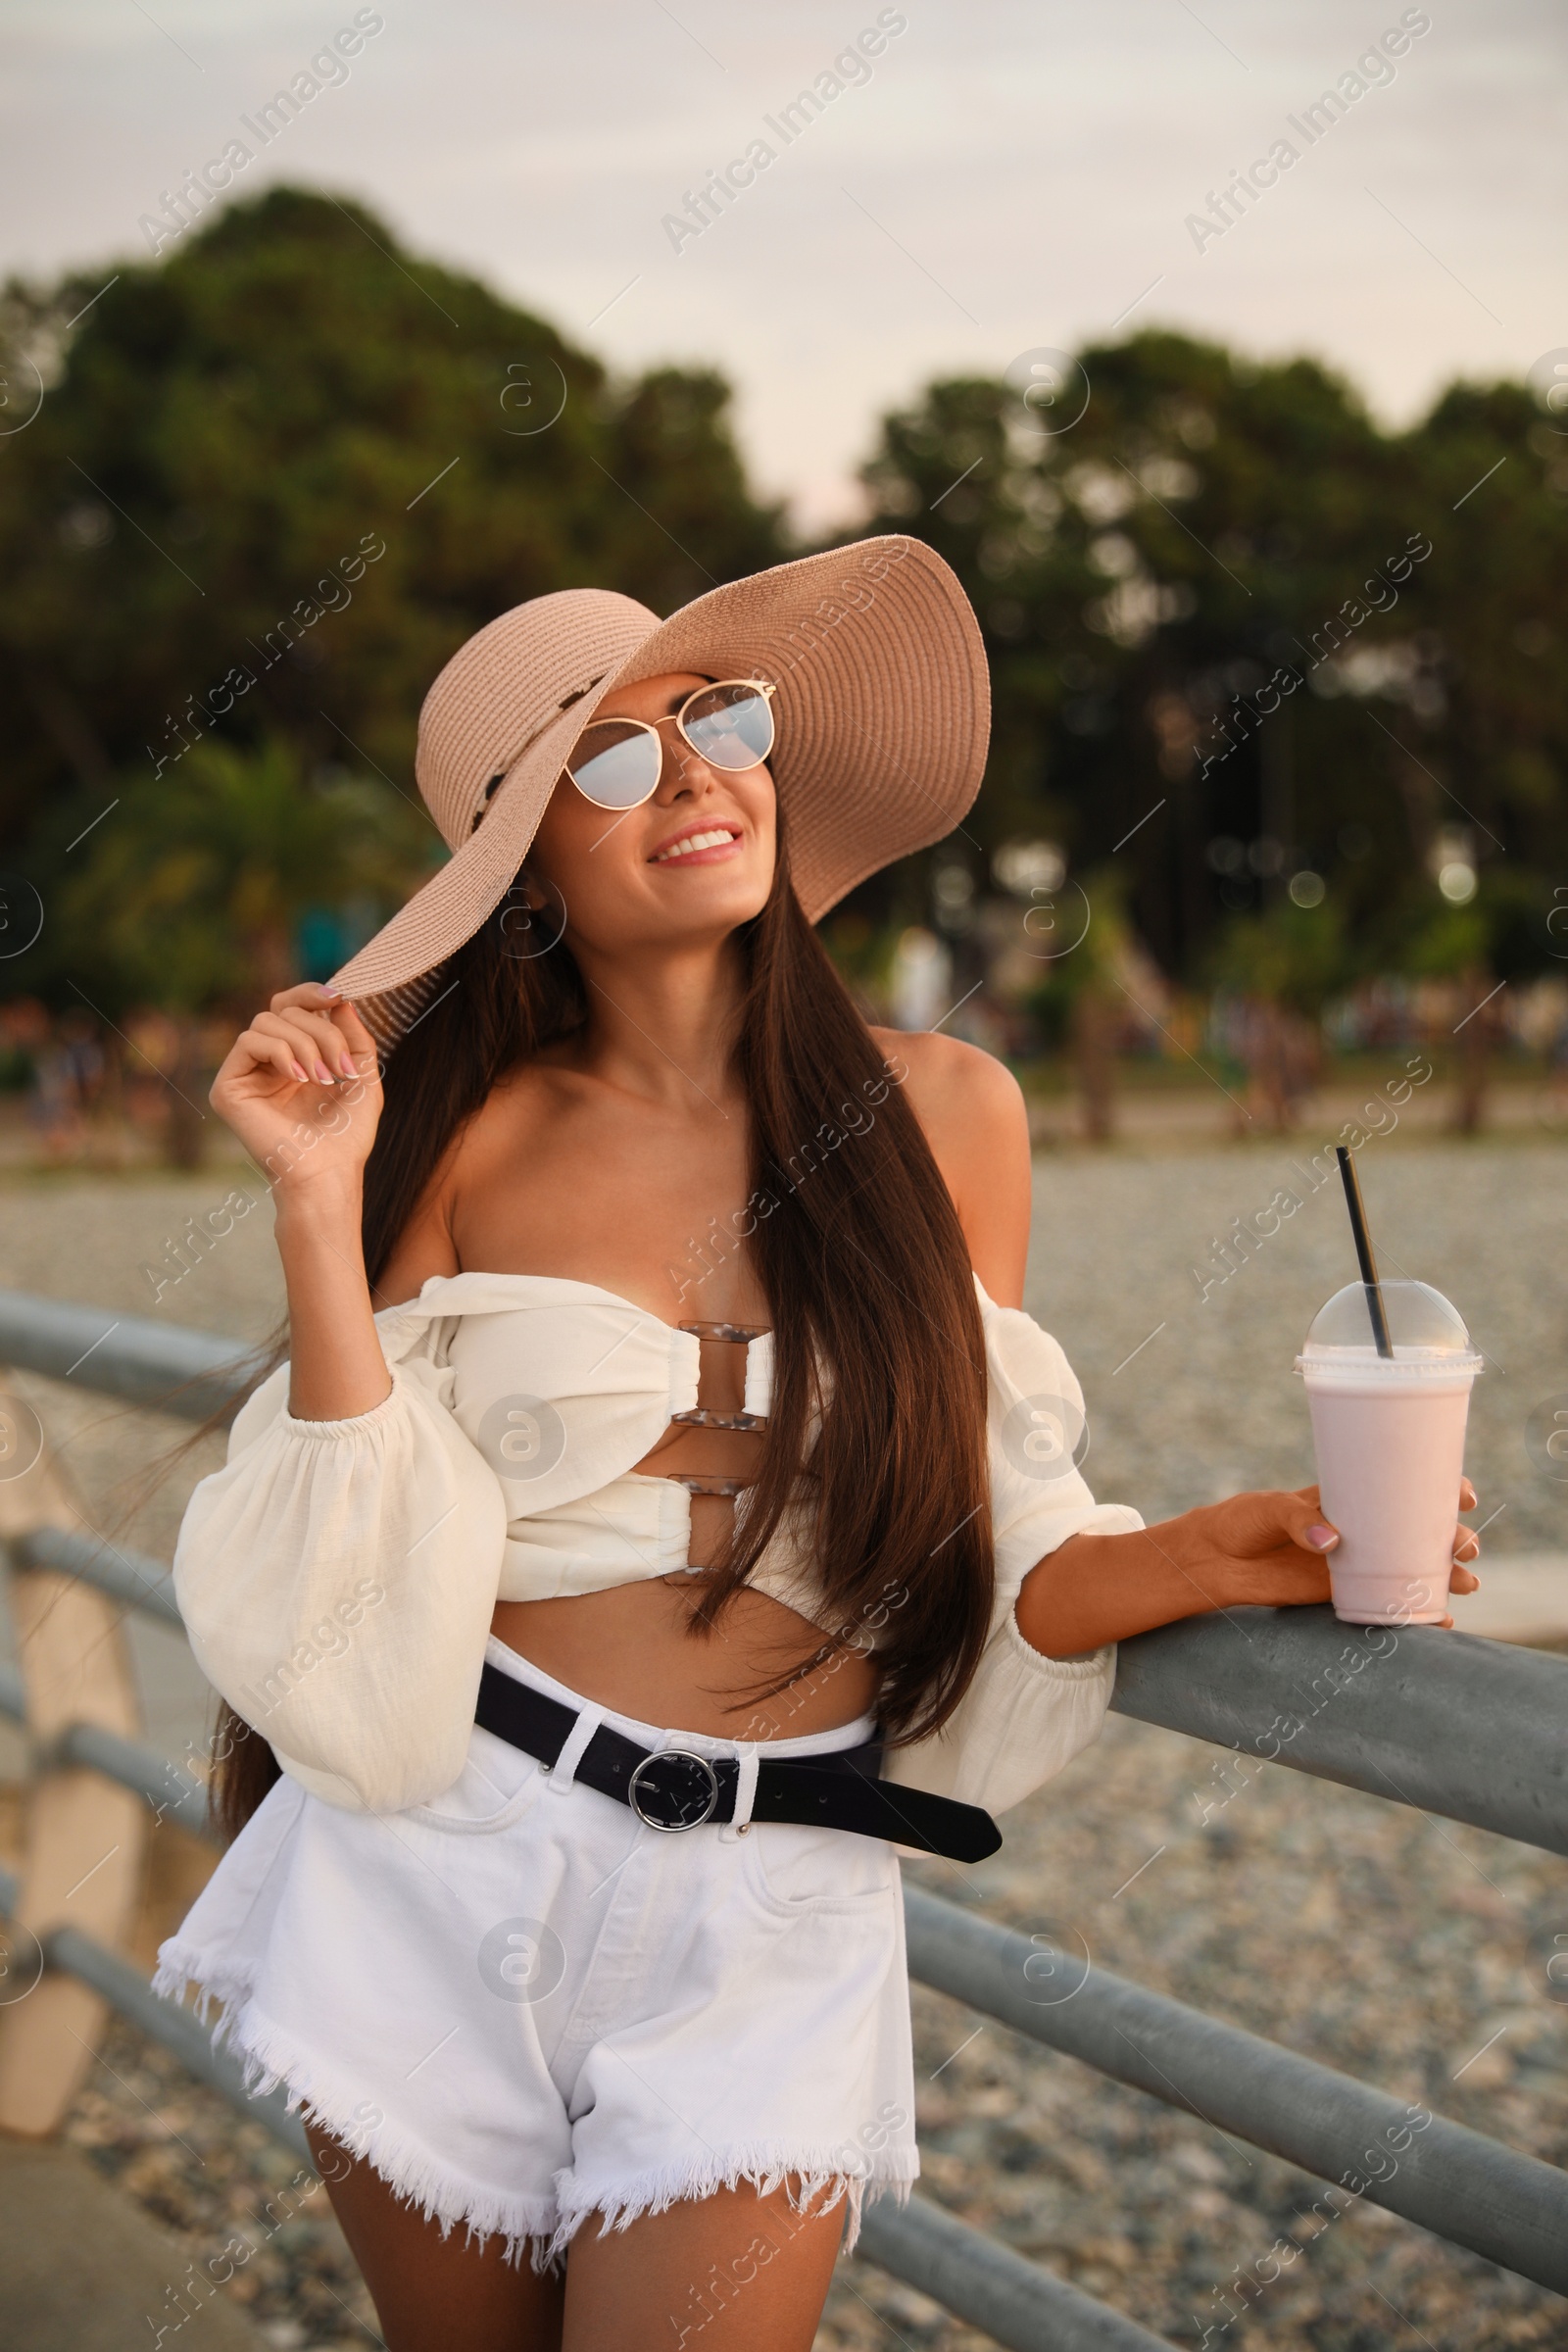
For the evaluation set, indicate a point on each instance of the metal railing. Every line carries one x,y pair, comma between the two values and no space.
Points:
1460,1727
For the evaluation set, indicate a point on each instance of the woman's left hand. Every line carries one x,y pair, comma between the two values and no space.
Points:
1272,1549
1268,1551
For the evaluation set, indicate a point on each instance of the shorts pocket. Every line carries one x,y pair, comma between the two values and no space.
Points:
497,1784
792,1870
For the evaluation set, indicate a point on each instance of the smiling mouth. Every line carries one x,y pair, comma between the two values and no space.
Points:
713,837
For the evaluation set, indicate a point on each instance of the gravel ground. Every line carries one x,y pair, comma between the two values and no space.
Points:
1299,1909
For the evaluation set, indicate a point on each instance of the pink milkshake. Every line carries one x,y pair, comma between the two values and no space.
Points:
1388,1432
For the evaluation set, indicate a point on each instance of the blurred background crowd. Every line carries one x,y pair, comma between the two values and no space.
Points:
1281,725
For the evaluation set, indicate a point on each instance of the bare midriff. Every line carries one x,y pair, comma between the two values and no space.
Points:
636,1647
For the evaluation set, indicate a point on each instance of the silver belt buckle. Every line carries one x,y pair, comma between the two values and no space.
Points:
667,1789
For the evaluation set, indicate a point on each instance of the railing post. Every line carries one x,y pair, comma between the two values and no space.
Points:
85,1838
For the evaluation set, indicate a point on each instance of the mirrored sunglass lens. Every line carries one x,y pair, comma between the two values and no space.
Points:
616,766
730,727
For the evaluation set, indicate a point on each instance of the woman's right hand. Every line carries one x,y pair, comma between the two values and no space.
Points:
301,1088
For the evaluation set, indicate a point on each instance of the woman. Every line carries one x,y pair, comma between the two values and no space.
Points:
666,1509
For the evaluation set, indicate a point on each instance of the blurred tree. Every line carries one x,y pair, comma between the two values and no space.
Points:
188,897
1451,942
1294,956
1490,693
280,475
1236,632
1085,994
1277,970
670,450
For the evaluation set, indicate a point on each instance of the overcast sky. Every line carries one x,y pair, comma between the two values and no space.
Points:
1010,176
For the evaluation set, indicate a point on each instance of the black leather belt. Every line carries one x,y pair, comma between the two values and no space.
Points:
674,1788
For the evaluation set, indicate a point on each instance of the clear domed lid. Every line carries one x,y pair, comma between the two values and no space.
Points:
1422,1323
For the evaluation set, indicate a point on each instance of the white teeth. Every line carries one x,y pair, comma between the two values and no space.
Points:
693,841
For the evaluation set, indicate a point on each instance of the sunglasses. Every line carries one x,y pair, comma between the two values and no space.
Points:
617,763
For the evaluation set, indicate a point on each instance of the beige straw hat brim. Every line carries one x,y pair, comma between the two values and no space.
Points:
882,710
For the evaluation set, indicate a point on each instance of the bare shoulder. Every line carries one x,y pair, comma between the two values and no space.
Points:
486,1152
973,1111
951,1076
954,1086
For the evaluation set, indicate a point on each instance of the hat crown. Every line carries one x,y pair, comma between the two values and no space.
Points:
504,685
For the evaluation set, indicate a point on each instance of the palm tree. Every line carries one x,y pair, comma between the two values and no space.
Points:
193,891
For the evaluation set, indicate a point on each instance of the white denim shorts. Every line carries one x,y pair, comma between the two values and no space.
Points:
524,2006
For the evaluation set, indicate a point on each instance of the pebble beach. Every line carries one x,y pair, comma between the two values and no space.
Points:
1411,1951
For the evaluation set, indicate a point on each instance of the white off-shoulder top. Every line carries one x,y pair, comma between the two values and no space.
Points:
337,1578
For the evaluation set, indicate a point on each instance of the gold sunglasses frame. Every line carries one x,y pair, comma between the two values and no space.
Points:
651,726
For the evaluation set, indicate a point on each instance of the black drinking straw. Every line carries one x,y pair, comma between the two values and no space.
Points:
1363,1250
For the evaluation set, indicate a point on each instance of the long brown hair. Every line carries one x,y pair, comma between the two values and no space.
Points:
858,1250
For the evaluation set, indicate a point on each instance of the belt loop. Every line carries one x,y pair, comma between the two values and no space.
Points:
563,1771
747,1760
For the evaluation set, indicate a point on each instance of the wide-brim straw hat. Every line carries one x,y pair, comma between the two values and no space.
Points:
882,710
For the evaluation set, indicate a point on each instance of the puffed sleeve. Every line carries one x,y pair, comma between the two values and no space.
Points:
1024,1716
337,1579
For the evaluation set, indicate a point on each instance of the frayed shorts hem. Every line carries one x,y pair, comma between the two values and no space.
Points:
321,2096
812,2178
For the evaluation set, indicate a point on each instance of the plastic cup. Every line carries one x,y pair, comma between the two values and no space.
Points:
1389,1435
